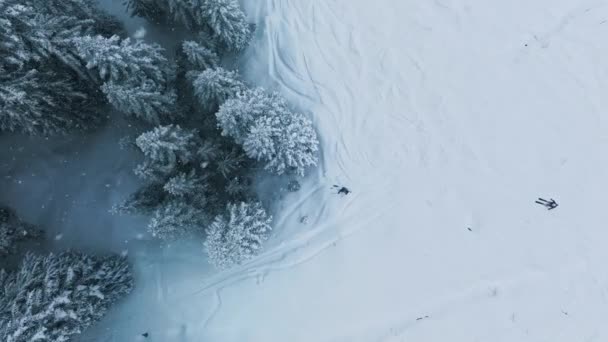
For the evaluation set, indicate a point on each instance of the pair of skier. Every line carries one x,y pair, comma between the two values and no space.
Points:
549,204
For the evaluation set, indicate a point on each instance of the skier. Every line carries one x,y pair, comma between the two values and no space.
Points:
342,190
549,204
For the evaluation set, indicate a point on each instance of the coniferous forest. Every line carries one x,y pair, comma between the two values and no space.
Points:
201,136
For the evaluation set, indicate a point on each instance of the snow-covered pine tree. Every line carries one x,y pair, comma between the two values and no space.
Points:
237,115
37,59
46,103
224,19
294,146
228,23
145,200
153,10
14,230
35,30
238,187
52,298
176,219
229,162
198,56
117,60
186,13
165,149
238,234
144,101
184,184
213,87
183,12
269,131
135,74
207,151
100,21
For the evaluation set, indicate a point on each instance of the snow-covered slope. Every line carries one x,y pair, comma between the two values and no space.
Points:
440,116
447,119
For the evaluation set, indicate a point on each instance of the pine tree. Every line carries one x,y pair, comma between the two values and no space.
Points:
237,115
176,219
261,142
295,141
238,187
100,21
13,230
36,102
269,131
185,184
136,74
52,298
118,60
228,23
207,151
230,162
34,30
238,234
198,56
37,59
213,87
223,18
165,149
145,200
153,10
144,100
184,12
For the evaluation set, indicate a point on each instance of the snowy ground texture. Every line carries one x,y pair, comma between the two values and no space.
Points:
447,119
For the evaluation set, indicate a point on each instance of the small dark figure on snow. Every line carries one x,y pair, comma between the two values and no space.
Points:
342,190
145,335
549,204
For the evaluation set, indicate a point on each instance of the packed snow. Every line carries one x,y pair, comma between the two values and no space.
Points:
446,119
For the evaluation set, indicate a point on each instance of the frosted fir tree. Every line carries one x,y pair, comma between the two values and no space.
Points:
135,74
269,131
238,187
261,141
144,100
228,23
36,102
184,12
186,184
294,148
145,200
237,235
98,20
13,230
55,297
207,151
230,162
213,87
36,30
176,219
44,88
224,19
237,115
118,60
198,56
165,149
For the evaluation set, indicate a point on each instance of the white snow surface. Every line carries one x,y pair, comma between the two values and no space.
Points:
441,116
